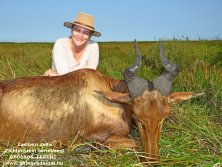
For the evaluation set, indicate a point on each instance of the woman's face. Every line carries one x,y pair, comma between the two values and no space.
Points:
80,35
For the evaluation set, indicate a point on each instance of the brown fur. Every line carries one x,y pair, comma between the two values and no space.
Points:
83,105
37,108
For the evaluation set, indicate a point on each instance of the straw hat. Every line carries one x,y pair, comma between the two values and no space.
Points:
84,20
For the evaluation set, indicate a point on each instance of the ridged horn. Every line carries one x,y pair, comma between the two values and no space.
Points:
135,84
138,60
164,82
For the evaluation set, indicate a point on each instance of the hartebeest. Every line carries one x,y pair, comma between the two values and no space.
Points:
89,105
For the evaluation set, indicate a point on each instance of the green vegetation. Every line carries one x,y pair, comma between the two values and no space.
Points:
191,136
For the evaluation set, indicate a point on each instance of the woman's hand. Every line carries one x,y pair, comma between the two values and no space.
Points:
50,72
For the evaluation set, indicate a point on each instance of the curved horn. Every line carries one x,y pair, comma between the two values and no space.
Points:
172,69
138,60
135,84
164,82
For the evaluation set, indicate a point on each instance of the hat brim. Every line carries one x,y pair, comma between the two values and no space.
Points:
70,25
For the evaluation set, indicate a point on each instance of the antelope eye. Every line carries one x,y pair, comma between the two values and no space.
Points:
143,125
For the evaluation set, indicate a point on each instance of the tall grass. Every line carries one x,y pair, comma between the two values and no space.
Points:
191,136
24,59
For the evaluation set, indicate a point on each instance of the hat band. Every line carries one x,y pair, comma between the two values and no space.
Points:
84,25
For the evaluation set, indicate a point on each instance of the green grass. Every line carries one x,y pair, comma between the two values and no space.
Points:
191,136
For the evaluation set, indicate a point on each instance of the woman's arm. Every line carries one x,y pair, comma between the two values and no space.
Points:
59,57
93,59
50,72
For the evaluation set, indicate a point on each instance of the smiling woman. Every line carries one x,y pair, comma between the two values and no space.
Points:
77,51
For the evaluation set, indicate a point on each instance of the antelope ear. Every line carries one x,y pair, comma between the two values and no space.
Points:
182,96
115,96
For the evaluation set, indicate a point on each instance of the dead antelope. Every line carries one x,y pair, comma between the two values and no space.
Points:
89,105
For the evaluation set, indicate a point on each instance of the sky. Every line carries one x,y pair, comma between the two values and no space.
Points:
117,20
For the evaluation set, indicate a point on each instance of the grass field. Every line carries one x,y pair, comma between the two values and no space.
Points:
191,136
